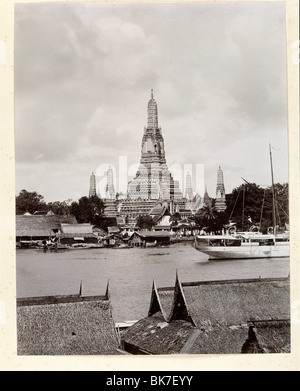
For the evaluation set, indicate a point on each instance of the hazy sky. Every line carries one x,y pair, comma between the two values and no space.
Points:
83,76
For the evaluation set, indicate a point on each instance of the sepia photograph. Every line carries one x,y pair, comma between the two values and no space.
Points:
152,179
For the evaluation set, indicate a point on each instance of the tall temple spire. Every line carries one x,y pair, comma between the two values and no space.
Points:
153,179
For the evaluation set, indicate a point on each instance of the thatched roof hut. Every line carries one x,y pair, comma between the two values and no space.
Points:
73,233
217,315
66,325
36,226
151,237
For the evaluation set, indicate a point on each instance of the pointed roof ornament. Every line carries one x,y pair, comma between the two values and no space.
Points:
107,294
152,93
155,303
179,306
80,289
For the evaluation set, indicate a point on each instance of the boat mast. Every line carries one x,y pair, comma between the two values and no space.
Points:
243,211
273,192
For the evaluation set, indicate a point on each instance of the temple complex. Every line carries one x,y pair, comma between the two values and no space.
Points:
154,183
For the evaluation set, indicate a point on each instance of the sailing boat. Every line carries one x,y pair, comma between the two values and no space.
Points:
246,245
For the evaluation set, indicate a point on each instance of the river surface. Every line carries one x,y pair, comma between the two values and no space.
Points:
130,273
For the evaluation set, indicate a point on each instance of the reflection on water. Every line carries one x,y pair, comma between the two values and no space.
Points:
157,254
130,273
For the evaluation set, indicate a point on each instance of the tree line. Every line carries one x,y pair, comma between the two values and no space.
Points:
247,205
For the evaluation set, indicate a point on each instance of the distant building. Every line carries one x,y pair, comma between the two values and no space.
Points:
110,208
92,191
188,187
215,317
220,192
206,199
110,188
37,227
77,233
148,238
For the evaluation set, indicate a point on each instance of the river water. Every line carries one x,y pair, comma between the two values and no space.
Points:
130,273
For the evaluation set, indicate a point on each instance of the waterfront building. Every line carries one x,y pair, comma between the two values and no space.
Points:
92,191
150,238
39,227
220,192
77,234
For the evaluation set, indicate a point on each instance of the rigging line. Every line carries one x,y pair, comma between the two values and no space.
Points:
234,205
278,204
254,188
262,208
243,215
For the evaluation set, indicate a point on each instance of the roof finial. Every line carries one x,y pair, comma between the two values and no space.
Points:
107,293
152,93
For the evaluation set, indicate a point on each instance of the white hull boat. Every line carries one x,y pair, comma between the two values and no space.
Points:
230,247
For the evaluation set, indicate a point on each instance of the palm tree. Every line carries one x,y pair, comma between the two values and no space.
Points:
207,212
206,217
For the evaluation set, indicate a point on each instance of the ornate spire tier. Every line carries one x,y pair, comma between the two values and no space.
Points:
153,179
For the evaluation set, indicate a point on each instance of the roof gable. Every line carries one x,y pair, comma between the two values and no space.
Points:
179,308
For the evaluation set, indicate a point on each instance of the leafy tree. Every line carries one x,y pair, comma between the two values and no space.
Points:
282,203
60,208
87,209
30,202
250,204
145,222
205,217
175,218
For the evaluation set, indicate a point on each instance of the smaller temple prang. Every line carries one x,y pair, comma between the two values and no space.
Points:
220,192
92,191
